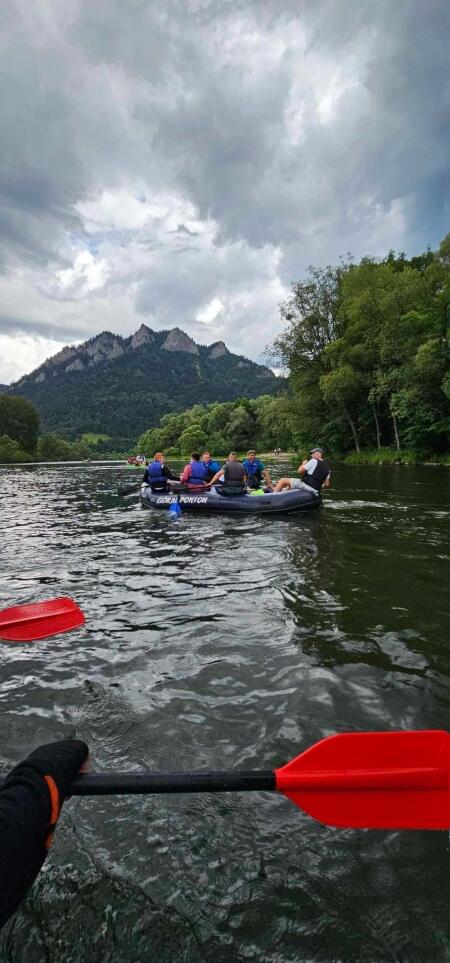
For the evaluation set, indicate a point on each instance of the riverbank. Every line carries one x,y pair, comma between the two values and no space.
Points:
390,456
381,456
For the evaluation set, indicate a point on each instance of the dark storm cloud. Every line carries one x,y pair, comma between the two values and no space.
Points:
286,132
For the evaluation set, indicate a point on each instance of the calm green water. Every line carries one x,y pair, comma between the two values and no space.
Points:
227,642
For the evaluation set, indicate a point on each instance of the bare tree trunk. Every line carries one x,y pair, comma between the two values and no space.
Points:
352,427
397,439
377,425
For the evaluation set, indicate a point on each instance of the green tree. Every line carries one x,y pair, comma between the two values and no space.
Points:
19,420
192,439
344,387
52,448
312,313
11,452
276,418
368,350
150,441
241,428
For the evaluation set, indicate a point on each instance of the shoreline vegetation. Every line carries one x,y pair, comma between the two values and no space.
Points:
367,347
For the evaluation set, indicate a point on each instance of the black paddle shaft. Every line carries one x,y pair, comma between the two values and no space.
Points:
140,783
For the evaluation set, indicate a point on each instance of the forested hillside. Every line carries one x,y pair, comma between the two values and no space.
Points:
368,350
120,386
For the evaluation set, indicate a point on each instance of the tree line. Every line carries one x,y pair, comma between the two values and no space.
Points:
367,347
20,440
263,423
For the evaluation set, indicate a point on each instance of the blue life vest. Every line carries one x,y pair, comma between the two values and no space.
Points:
199,473
253,467
155,475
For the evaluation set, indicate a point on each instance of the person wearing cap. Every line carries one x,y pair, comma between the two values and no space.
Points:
315,473
31,799
255,470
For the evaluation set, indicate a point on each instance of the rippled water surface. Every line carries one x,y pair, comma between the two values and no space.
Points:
227,642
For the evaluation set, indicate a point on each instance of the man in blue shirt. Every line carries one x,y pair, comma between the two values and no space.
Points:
255,470
212,466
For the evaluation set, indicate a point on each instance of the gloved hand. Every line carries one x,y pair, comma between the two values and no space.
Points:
59,760
58,763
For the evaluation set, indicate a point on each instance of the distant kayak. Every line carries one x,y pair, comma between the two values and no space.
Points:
283,503
129,465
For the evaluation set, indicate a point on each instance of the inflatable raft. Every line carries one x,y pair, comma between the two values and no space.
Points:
283,503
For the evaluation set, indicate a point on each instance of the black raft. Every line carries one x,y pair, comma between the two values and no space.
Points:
283,503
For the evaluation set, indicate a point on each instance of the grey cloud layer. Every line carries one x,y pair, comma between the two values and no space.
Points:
293,131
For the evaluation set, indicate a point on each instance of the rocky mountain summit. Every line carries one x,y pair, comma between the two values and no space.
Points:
122,386
107,347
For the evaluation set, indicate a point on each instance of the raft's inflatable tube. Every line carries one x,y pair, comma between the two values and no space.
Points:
283,503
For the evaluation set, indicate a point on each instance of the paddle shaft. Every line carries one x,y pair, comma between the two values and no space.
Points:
396,780
140,783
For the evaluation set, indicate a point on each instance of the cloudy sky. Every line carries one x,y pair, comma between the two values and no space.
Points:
181,162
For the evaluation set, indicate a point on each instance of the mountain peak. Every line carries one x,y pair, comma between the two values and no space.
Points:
217,350
104,347
144,335
177,340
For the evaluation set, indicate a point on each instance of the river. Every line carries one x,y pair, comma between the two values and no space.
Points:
224,642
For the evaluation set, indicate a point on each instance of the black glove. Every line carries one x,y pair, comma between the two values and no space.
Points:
59,760
58,763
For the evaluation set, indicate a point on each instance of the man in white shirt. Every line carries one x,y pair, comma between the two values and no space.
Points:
315,473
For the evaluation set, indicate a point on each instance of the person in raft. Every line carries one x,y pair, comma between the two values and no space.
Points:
211,465
195,474
315,472
157,473
234,477
255,470
30,803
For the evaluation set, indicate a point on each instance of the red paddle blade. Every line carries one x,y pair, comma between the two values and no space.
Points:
373,780
26,623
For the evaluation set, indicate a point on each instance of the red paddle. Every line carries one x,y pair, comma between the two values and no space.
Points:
25,623
373,780
365,780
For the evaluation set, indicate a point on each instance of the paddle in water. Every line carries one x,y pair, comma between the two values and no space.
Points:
27,623
366,780
175,507
125,490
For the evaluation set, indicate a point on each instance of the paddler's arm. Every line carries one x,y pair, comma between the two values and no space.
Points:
216,477
169,475
30,804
